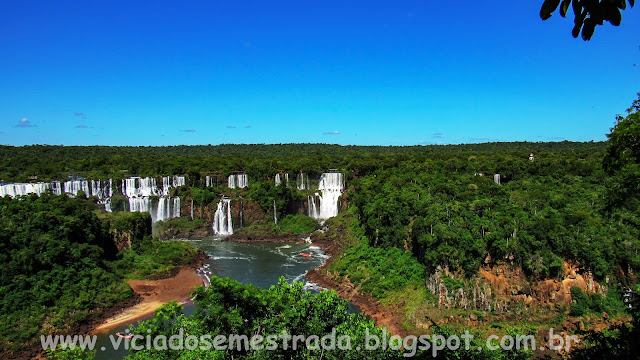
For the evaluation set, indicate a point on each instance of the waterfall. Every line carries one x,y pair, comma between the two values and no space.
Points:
166,186
56,187
496,178
279,179
275,215
129,187
222,224
140,190
179,181
238,181
107,205
312,206
140,204
330,188
19,189
176,207
101,189
163,209
191,209
207,180
301,184
74,186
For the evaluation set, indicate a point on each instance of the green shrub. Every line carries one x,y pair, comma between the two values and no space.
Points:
298,224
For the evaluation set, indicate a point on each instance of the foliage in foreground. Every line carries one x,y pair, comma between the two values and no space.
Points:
54,253
229,307
60,264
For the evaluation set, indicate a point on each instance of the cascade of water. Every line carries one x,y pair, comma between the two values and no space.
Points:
176,207
147,187
238,181
107,205
330,187
139,190
207,180
279,177
101,189
222,224
166,186
179,181
74,186
313,206
496,178
56,187
191,209
163,209
302,181
129,187
19,189
139,204
275,215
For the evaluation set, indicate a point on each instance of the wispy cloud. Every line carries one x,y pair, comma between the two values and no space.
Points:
81,127
24,123
332,133
230,127
80,114
248,127
188,130
558,138
483,139
438,135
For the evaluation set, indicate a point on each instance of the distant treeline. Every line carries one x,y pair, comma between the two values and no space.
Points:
49,162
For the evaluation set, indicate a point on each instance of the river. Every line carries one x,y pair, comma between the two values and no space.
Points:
260,264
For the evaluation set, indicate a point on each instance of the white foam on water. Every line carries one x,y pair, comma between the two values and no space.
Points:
231,258
299,277
311,286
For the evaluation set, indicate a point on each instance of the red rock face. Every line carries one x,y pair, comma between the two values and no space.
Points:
496,286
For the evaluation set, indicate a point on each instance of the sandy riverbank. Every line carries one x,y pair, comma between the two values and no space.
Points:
381,315
153,294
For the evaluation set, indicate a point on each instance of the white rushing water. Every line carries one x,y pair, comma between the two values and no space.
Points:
324,204
73,187
279,177
302,182
19,189
102,189
138,191
141,190
237,181
222,224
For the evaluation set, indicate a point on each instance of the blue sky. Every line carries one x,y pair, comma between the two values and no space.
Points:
348,72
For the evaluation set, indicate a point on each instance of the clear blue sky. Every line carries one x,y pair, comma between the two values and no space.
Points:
346,72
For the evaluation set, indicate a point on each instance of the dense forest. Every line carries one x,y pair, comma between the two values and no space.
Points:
412,211
60,266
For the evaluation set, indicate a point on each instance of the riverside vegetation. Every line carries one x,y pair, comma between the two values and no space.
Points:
61,269
411,216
